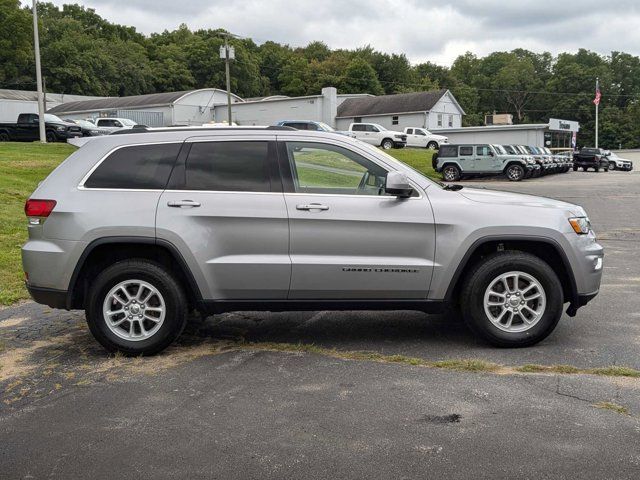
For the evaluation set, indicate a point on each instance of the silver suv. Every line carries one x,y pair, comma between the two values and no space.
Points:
140,229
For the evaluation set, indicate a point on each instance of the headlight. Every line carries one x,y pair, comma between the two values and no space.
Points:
398,136
580,225
61,128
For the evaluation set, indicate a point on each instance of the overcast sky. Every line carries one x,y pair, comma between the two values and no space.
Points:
437,31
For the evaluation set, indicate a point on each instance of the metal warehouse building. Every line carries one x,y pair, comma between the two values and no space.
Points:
555,134
191,107
15,102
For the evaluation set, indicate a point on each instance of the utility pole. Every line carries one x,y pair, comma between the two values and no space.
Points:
597,102
36,47
228,53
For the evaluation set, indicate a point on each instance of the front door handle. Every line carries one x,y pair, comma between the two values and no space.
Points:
312,206
183,203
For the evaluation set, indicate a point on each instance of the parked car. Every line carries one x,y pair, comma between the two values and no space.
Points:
313,126
421,137
595,158
113,124
261,219
617,163
27,129
515,150
89,129
458,161
377,135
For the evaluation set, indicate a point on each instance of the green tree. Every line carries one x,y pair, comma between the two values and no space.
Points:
16,50
360,77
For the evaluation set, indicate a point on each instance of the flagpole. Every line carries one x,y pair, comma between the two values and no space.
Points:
597,105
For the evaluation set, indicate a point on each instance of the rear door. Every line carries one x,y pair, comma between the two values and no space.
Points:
466,158
224,209
348,239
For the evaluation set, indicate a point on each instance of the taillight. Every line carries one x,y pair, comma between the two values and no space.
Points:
39,208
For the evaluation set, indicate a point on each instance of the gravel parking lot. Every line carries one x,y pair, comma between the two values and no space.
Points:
255,395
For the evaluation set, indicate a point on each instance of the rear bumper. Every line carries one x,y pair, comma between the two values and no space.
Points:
48,296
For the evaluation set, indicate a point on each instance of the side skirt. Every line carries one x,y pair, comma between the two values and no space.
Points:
222,306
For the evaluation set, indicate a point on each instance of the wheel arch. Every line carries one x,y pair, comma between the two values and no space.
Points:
514,162
545,248
105,251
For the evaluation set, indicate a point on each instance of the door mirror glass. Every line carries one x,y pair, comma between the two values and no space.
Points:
398,185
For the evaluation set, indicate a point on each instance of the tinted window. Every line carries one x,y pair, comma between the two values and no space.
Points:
410,131
448,151
482,150
358,128
228,166
466,151
510,150
139,167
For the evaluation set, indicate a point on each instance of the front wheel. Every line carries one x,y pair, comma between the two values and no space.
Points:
512,299
515,173
136,307
451,173
432,145
387,144
51,137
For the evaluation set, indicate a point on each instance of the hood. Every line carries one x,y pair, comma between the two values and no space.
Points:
508,198
439,137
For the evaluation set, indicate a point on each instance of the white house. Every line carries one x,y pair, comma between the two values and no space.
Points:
434,110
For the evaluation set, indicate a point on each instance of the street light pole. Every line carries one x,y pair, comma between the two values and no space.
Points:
36,47
228,76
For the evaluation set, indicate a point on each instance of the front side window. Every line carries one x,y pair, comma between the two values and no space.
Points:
482,150
136,167
420,132
329,169
228,166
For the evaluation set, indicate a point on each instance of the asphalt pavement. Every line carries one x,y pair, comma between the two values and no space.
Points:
224,403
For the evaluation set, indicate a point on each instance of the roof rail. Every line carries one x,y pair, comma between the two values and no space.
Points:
144,128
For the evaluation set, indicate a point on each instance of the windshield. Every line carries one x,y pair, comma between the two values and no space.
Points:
127,122
85,124
52,118
499,149
379,127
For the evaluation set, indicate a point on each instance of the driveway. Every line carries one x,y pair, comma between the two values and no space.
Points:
256,395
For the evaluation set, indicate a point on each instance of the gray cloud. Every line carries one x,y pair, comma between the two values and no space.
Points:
422,29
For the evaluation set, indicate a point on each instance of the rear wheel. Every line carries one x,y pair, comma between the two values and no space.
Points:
387,144
514,173
451,173
136,307
4,137
512,299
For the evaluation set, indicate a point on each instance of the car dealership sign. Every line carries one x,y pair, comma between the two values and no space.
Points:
563,125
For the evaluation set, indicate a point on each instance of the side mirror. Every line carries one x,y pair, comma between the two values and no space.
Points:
398,185
491,154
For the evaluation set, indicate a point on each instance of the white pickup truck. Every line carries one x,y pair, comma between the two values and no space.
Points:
378,135
421,137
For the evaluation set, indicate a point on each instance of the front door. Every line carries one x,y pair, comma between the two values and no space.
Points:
348,239
224,209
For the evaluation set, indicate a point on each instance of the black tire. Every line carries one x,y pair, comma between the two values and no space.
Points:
514,173
451,173
387,144
612,166
432,145
4,137
174,298
479,279
51,137
596,169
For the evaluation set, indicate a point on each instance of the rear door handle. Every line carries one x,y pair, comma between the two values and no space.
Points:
312,206
183,203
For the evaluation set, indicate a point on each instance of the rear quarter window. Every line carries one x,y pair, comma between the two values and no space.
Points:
448,151
144,167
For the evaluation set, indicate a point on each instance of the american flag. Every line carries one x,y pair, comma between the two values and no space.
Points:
598,95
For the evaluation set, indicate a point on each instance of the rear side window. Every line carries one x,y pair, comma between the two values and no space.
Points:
448,151
144,167
228,166
358,128
466,151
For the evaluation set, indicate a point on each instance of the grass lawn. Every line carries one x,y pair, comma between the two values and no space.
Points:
22,166
417,158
